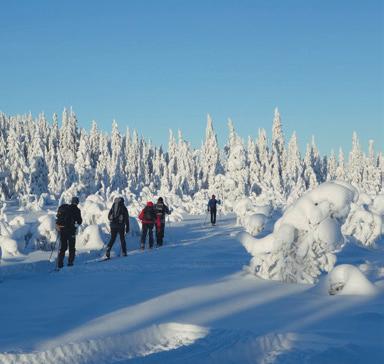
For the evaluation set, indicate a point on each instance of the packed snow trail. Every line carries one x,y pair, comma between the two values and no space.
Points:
189,301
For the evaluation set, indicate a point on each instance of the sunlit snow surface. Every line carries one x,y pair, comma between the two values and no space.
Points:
191,301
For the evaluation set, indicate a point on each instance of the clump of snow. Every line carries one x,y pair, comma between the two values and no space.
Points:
8,247
266,210
90,239
255,223
243,206
305,239
378,205
346,279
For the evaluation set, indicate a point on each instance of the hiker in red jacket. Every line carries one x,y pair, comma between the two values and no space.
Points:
148,218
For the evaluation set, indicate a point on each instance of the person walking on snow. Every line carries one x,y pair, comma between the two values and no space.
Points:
68,217
148,218
161,210
212,208
119,222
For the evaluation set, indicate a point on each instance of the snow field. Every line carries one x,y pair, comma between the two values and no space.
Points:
188,302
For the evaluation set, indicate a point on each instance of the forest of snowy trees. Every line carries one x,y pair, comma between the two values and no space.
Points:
40,156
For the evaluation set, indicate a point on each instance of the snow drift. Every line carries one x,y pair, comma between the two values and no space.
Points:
305,238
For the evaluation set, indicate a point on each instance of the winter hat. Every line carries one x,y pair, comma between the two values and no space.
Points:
150,203
75,200
160,199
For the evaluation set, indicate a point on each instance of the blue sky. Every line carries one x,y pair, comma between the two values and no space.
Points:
155,65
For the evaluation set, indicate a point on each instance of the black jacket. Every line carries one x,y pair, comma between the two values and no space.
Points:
74,217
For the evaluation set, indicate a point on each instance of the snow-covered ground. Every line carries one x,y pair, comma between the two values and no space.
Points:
191,301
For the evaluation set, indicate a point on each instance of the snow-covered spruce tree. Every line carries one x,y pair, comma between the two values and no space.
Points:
3,165
38,176
17,176
331,167
83,165
254,167
69,144
340,170
316,162
294,181
116,175
355,165
210,156
278,155
186,172
263,157
102,177
133,163
172,162
371,179
237,162
94,144
309,174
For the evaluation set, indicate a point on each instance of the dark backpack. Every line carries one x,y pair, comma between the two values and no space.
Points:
116,216
149,213
64,217
159,208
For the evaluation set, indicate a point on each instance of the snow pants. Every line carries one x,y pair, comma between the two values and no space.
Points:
147,229
67,241
213,216
160,234
121,232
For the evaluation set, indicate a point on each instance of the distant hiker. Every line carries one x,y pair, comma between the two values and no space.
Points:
161,210
68,217
119,222
212,207
148,218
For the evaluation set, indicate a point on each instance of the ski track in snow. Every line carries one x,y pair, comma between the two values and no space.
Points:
187,302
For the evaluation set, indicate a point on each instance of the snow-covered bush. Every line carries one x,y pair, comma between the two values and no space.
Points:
346,279
305,238
365,222
8,247
46,230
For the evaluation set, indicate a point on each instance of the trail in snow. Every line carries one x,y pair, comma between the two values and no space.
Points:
189,301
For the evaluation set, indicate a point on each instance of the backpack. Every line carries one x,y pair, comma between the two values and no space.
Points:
148,214
64,217
116,216
159,208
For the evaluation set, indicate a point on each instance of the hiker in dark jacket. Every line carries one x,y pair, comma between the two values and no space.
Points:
148,218
212,208
119,222
161,210
68,217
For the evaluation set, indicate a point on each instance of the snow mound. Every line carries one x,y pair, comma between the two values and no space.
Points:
305,238
119,348
346,279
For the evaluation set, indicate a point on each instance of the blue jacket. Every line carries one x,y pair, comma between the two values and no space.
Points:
212,204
